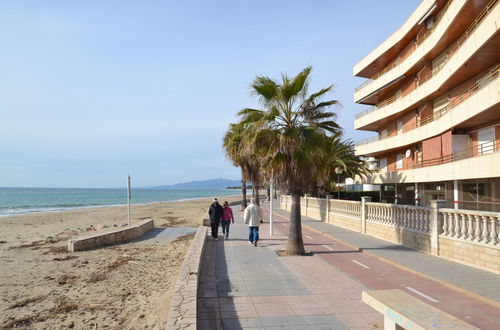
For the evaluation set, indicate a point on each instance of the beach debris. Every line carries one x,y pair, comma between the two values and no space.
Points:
62,305
64,258
3,241
100,226
57,249
67,234
119,262
67,279
32,244
50,239
183,238
96,277
27,301
21,321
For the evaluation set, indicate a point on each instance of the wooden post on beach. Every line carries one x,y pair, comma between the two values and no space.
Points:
129,196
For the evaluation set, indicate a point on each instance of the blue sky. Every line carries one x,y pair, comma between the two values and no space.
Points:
93,90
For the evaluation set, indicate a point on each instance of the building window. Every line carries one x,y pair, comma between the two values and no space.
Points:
399,161
383,164
486,141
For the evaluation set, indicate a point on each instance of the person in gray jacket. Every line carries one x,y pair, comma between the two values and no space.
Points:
252,216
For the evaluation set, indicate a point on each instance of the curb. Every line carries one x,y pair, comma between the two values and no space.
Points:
474,295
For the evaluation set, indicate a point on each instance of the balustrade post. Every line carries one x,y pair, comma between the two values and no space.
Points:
493,231
470,228
446,220
364,212
485,233
305,206
477,223
463,226
436,222
327,219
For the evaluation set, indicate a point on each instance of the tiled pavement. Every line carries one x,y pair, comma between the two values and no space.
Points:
164,235
480,282
243,286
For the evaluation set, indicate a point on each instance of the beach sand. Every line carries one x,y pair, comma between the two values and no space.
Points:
126,286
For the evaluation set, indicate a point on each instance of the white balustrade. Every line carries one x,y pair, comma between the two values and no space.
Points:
407,217
348,209
473,226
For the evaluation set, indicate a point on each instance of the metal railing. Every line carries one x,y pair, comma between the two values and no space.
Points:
419,39
479,150
451,51
478,85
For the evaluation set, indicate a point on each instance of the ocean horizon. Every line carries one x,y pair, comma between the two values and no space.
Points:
17,201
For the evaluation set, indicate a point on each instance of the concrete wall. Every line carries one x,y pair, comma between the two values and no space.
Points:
183,303
484,257
415,240
110,238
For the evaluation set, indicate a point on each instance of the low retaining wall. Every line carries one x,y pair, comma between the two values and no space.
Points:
110,238
183,303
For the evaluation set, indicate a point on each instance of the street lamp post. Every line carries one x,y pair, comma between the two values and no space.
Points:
339,171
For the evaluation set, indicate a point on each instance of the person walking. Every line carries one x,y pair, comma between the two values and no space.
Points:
252,217
227,218
215,213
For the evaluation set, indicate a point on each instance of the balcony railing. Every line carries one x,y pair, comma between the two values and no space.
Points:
479,150
481,83
451,51
419,39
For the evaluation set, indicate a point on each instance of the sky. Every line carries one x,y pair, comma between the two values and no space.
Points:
91,90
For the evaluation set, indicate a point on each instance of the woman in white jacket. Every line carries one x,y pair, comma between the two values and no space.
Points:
252,217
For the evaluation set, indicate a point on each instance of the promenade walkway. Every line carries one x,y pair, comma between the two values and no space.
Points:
243,286
459,276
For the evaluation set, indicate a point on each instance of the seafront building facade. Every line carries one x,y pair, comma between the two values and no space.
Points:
433,92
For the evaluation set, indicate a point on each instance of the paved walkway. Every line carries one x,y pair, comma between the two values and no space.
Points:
164,235
480,282
251,287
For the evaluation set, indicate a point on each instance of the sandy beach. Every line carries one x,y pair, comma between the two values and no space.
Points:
127,286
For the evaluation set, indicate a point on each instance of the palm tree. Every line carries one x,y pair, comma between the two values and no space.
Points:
289,134
232,143
338,153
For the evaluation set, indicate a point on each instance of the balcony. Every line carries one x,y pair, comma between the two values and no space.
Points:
422,45
471,48
382,54
479,162
480,96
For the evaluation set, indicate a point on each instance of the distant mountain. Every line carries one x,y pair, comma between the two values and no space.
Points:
219,183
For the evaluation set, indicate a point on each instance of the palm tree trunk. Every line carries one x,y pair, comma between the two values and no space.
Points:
256,194
244,192
295,244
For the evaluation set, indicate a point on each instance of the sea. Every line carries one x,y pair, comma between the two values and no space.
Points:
15,201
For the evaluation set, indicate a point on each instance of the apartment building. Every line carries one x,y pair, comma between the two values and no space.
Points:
433,100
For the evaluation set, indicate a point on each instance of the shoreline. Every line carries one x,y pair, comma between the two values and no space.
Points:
64,209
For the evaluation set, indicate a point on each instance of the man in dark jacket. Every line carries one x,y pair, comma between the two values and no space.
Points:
215,213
